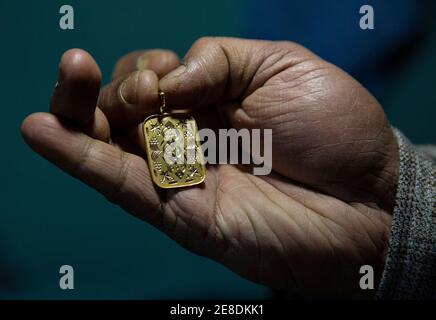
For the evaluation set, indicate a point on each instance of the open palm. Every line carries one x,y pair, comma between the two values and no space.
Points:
308,226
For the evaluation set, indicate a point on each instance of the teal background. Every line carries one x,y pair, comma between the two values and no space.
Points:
48,219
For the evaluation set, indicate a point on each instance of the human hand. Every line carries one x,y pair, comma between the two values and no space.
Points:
308,226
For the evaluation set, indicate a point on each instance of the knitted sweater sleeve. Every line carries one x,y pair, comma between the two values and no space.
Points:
410,268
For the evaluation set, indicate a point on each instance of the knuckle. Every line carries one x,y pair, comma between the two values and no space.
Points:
79,167
206,43
204,40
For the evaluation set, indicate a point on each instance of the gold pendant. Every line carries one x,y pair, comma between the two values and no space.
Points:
173,149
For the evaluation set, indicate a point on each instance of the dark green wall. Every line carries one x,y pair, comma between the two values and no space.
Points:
410,95
48,219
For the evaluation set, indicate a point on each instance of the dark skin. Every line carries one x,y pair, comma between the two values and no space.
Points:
323,212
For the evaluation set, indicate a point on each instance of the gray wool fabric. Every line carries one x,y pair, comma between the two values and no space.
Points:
410,269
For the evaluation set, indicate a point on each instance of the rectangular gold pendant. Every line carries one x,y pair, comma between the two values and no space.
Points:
173,150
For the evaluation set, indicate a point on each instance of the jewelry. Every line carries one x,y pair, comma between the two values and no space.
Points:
173,149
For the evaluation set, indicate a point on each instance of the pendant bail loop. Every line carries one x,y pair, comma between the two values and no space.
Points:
163,101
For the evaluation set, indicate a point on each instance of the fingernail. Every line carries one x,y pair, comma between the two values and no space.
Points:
127,89
176,72
142,62
122,92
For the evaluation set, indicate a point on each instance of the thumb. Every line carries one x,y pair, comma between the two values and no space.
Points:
219,70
